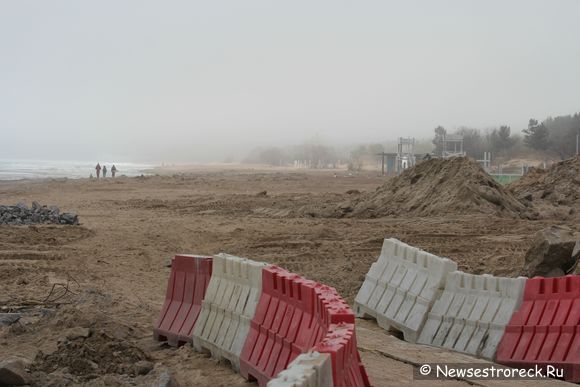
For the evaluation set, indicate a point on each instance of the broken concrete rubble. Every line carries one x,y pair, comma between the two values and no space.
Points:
21,214
555,252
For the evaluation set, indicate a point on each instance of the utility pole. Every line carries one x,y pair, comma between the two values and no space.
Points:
382,154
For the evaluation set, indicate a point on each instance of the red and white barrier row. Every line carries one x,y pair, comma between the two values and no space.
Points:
518,322
273,326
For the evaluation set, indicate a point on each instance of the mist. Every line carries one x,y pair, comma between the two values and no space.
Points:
183,81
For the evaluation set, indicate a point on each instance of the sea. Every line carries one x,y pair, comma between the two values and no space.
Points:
44,169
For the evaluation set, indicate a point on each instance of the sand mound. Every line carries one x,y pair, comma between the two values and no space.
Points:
98,353
80,343
438,187
554,191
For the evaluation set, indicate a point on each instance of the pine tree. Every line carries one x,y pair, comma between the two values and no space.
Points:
536,136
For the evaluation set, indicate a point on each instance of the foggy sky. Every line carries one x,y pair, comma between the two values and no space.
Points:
203,80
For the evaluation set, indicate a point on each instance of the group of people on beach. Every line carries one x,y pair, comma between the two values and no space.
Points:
104,169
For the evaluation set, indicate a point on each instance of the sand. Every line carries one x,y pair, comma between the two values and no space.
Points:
109,274
554,192
439,187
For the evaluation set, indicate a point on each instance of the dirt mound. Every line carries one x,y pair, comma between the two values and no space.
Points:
79,343
92,353
554,191
438,187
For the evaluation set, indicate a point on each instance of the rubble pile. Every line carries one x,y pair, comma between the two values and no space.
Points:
21,214
555,192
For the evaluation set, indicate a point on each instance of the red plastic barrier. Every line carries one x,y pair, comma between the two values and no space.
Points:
190,275
347,367
546,328
293,315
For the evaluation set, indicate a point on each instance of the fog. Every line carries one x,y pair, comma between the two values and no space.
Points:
185,81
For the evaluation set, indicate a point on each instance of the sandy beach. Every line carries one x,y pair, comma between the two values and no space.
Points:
109,274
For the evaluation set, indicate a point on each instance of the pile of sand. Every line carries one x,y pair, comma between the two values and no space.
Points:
554,191
76,342
99,353
438,187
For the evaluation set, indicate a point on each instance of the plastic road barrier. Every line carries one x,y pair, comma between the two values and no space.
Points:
313,369
272,325
230,304
401,286
293,316
188,281
545,330
347,367
471,314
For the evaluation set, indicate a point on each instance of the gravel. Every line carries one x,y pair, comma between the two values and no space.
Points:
21,214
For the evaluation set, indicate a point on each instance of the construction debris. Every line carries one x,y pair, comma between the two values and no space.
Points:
555,252
13,372
555,191
21,214
9,318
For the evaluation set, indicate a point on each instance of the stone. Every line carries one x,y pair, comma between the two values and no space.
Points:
56,378
555,251
77,333
93,365
143,367
20,214
166,380
9,318
67,218
346,207
13,372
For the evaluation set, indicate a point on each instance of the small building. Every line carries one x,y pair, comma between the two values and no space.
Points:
405,153
452,145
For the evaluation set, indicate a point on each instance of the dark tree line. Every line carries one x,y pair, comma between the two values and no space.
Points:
556,135
562,134
476,141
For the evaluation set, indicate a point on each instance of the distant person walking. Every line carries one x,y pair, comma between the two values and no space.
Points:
98,169
113,170
104,171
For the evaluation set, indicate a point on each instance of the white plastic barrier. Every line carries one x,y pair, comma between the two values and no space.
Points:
229,305
312,369
471,314
401,286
